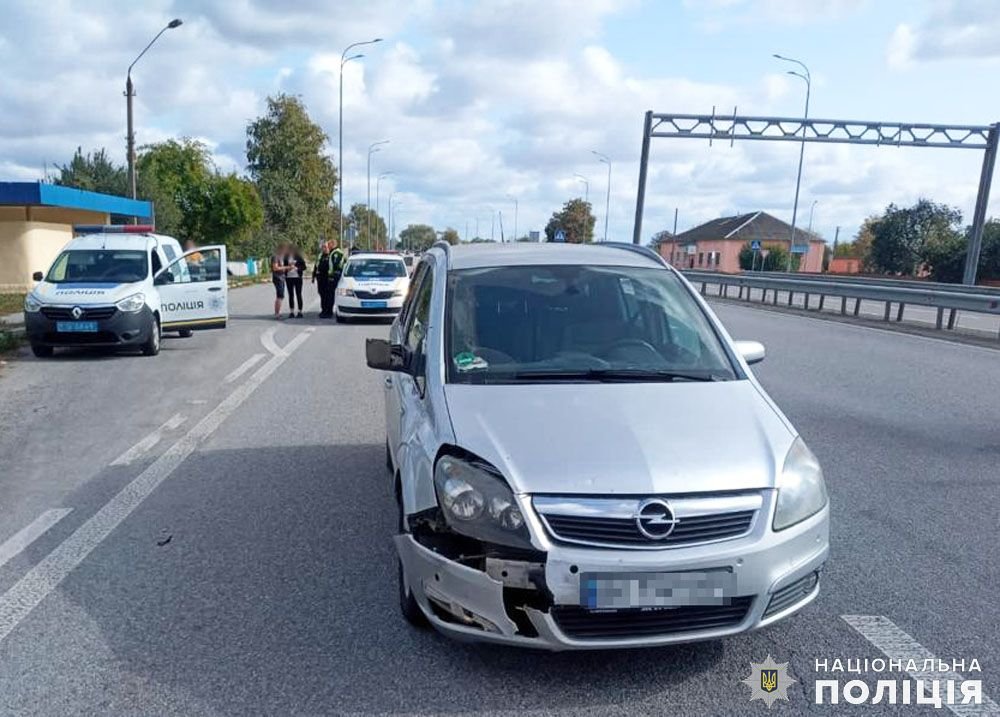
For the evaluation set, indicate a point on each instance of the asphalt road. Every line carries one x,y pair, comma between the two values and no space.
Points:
207,532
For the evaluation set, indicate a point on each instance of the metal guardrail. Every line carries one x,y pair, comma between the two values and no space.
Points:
952,299
880,280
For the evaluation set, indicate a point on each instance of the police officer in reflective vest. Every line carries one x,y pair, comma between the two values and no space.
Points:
326,274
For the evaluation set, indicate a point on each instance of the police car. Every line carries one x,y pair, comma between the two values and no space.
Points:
373,285
121,287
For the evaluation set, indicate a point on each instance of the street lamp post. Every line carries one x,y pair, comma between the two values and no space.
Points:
391,236
378,181
395,227
607,204
586,187
129,94
344,59
807,78
815,201
511,196
372,148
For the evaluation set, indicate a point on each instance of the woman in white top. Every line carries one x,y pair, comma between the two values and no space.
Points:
293,280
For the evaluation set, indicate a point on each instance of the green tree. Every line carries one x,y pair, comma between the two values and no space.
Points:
296,180
369,228
902,235
772,257
451,236
94,172
233,214
945,256
417,237
575,219
175,175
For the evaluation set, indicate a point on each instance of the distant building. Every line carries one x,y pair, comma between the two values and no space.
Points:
36,221
716,245
844,265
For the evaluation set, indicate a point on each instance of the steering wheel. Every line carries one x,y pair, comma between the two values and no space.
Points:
622,346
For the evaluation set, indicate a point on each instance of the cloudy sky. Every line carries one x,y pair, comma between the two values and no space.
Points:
497,98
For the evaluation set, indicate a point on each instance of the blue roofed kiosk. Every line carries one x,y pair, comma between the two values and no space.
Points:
36,221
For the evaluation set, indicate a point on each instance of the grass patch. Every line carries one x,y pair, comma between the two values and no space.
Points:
10,341
11,303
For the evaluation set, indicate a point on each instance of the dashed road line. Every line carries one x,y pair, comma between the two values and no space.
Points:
243,368
30,533
144,445
47,574
898,645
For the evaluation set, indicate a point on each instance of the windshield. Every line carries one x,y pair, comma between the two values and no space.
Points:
577,322
99,265
375,268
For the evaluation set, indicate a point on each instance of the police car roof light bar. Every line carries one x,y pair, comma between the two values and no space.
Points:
113,228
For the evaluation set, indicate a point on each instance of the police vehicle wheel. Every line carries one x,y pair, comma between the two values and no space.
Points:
41,351
186,333
339,319
152,345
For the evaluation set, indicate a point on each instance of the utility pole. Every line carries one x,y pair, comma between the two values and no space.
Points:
807,78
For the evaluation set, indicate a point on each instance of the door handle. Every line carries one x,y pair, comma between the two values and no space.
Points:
388,381
215,288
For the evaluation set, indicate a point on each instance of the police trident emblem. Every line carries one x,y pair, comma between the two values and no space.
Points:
769,681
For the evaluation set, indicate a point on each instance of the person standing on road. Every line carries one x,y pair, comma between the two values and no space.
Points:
296,270
326,274
279,267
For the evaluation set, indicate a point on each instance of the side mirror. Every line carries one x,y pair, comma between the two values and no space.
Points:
382,355
751,351
37,276
166,277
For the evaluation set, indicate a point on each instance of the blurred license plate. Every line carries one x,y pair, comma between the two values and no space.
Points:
625,590
374,304
76,326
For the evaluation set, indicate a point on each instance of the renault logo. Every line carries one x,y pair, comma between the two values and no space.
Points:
655,519
77,312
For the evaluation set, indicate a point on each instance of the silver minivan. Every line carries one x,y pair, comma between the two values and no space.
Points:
583,459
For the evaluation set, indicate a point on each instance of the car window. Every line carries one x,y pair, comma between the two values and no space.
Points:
198,266
415,338
512,320
375,269
404,314
155,258
98,266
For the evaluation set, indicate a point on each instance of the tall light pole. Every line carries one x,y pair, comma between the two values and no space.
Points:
511,196
607,204
344,59
378,181
586,187
129,94
372,148
493,223
807,78
391,237
815,201
395,227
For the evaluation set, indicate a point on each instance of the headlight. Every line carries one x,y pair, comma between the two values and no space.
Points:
31,304
345,292
132,303
801,489
478,503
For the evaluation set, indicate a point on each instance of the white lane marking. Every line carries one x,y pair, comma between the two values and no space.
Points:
140,448
898,645
30,533
267,339
45,576
243,368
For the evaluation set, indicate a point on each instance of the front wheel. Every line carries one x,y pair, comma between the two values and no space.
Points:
152,345
185,333
41,351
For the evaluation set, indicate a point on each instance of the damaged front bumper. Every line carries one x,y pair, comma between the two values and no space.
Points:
535,604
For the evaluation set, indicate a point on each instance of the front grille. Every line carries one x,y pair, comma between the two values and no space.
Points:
358,293
581,623
80,338
90,313
792,594
367,310
624,531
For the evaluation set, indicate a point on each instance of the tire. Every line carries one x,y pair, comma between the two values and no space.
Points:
339,319
185,333
388,458
152,345
47,351
407,603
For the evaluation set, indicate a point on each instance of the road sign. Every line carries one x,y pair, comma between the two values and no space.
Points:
534,236
560,235
755,245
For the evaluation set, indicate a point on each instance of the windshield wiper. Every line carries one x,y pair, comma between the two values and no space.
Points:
614,375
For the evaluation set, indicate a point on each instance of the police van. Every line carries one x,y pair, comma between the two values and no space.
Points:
122,287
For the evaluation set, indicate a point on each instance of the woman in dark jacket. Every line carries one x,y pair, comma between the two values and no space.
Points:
293,279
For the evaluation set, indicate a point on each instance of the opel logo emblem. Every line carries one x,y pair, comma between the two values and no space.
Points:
77,312
655,519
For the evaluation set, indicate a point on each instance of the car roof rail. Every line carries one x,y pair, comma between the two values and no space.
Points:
635,249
